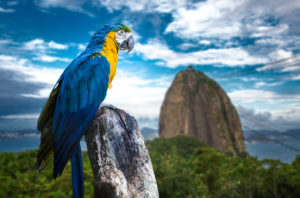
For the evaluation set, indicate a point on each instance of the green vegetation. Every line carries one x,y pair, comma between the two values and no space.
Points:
184,167
187,168
19,178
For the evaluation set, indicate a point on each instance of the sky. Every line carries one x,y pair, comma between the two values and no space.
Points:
250,47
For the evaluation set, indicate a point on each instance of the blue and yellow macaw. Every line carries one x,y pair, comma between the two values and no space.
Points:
75,99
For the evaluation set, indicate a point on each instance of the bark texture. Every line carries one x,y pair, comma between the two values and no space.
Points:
119,158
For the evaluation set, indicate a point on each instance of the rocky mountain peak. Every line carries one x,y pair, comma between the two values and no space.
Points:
197,106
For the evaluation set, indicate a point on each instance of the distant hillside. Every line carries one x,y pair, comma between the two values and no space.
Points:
267,135
148,133
19,133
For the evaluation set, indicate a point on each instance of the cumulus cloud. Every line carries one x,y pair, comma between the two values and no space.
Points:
36,47
81,47
288,65
204,19
12,3
21,116
270,121
27,72
266,84
286,62
46,58
273,111
185,46
273,24
15,107
204,42
40,44
24,90
155,50
6,10
163,6
29,85
229,18
139,96
256,95
4,42
72,5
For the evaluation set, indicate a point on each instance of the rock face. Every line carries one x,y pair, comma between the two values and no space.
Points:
119,158
197,106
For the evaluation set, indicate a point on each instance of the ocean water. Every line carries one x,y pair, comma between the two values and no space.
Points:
260,150
272,151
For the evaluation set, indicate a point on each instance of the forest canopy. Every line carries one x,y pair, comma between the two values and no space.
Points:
183,166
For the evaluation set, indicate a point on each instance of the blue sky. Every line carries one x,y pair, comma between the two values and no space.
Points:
231,41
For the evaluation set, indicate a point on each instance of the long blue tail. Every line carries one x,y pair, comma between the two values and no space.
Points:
77,173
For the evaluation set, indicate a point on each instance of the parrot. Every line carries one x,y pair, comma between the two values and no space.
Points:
74,101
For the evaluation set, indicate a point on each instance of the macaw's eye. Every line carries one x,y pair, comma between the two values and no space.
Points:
121,32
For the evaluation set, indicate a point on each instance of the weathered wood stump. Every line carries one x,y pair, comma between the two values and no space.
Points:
119,158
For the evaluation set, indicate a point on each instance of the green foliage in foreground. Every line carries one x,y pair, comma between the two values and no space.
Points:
19,178
184,167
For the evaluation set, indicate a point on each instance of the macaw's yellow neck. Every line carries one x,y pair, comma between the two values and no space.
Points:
110,51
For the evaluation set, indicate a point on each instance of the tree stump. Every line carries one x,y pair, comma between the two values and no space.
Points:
119,158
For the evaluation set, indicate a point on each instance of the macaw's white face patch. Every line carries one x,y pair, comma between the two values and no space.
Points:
125,40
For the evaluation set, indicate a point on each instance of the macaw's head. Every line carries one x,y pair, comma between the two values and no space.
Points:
122,36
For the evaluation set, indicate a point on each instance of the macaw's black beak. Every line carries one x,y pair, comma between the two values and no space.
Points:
127,44
130,42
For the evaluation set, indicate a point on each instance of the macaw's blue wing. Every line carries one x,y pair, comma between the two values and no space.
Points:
83,88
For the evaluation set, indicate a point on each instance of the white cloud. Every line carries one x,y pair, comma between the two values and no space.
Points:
6,10
254,95
295,77
204,42
40,48
251,95
40,44
31,73
228,18
291,112
21,116
54,45
266,84
286,62
4,42
12,3
270,41
263,30
162,6
186,46
273,23
46,58
138,96
36,44
154,50
280,54
72,5
282,120
206,19
81,47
